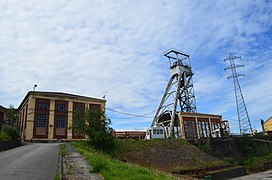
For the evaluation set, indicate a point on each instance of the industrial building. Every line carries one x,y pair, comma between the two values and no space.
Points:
267,126
129,134
191,126
49,115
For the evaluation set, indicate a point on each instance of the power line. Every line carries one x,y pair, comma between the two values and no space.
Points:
130,117
129,114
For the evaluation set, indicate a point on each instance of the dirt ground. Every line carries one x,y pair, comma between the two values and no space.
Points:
179,158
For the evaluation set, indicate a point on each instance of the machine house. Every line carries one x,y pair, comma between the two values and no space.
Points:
49,115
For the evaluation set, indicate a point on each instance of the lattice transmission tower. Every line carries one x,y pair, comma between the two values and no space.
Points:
243,117
178,95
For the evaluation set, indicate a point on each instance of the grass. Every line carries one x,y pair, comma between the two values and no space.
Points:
62,152
57,177
62,149
111,168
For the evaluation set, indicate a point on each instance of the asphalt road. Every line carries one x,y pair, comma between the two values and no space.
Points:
30,162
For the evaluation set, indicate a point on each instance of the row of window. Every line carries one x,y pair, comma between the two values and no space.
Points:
61,107
59,121
43,106
203,128
60,112
157,131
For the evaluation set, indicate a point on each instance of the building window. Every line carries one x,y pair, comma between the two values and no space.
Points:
94,107
42,106
60,121
61,107
78,107
41,120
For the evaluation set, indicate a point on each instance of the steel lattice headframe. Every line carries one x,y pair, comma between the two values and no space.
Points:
178,95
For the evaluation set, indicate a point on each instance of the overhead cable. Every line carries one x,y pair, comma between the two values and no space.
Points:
129,114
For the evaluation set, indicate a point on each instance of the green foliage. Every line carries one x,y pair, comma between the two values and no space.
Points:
62,149
230,160
4,137
11,115
250,153
96,126
99,165
256,164
249,148
113,169
205,148
57,177
12,132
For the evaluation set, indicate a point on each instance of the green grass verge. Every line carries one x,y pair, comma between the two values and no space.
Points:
114,169
62,149
57,177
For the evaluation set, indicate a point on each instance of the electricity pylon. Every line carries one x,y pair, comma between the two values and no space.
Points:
243,117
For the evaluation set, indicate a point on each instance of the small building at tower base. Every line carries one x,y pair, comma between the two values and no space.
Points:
189,125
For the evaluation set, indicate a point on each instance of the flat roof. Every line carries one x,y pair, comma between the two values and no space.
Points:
58,94
199,114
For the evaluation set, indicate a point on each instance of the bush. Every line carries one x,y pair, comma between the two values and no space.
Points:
12,132
96,126
205,148
4,137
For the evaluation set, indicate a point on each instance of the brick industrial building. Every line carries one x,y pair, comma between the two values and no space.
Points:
49,115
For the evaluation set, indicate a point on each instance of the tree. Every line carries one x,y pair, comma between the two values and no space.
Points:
11,116
96,126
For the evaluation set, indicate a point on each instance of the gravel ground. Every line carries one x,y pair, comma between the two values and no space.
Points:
76,167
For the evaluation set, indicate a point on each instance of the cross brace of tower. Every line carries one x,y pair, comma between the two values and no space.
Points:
243,117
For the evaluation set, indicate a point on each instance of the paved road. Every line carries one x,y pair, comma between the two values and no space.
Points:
260,176
30,162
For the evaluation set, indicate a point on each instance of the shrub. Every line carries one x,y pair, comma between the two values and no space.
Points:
96,126
12,132
4,136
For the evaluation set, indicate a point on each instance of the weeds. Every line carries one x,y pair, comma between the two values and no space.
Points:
62,149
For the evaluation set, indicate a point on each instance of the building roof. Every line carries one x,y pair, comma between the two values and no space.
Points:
59,94
2,107
200,114
268,120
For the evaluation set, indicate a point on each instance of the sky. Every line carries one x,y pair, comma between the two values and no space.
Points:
115,48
